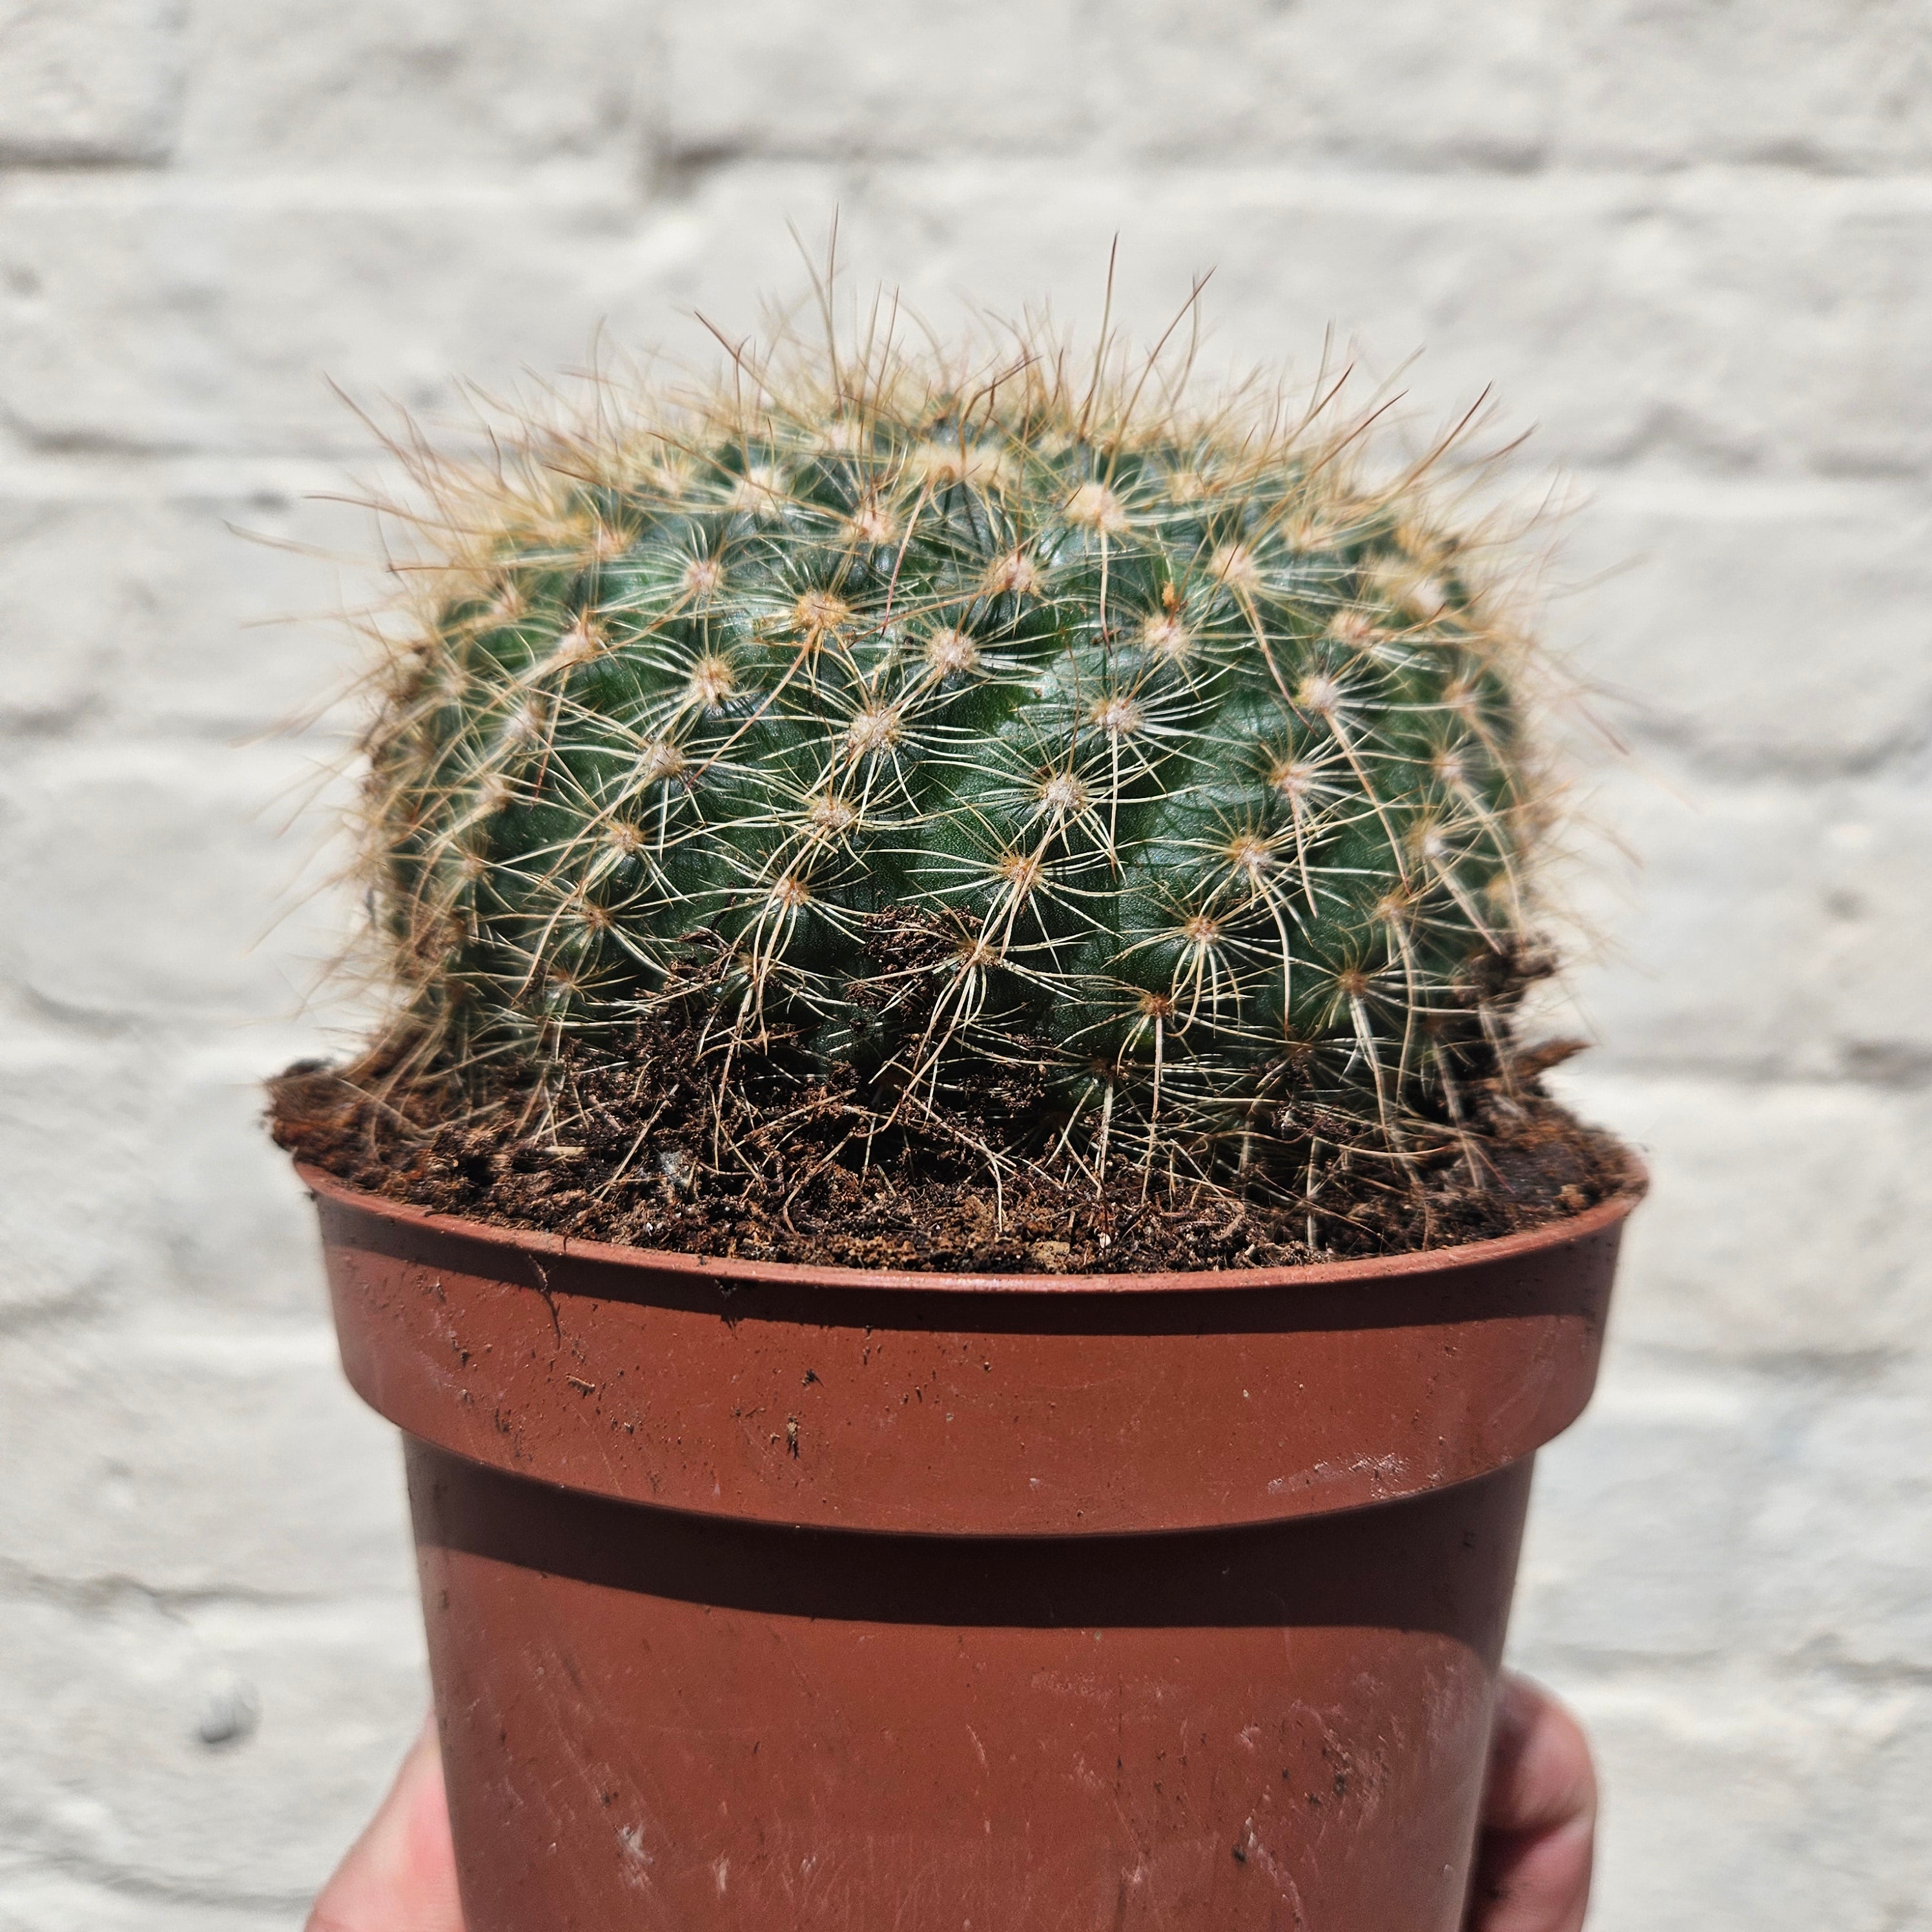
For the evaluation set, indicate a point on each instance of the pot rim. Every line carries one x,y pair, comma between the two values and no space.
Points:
1592,1221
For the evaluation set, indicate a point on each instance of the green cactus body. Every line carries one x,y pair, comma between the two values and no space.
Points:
912,738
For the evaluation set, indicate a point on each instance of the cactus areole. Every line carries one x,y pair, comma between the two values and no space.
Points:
985,757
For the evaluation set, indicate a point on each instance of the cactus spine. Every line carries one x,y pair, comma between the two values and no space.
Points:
918,723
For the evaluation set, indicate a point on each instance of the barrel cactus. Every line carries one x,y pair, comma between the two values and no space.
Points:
939,734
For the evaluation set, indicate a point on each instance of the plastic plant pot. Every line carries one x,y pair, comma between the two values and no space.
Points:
766,1596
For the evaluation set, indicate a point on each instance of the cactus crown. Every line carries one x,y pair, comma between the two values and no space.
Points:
922,726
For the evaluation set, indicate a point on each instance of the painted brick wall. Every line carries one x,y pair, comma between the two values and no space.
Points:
1691,241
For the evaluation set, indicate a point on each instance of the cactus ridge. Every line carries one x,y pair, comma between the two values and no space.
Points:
915,719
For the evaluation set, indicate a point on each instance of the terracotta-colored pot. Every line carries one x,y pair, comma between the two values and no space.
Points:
782,1597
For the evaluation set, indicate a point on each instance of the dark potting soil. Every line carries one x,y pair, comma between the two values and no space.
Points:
645,1148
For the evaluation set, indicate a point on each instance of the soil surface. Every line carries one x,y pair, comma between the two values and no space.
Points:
641,1148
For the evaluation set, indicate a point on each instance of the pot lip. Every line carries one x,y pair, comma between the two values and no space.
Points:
1604,1218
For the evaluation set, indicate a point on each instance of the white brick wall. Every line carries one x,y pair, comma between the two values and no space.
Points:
1692,241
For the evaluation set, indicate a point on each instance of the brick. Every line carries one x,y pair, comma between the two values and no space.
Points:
142,1187
235,1230
787,78
108,1769
94,843
1782,1222
1784,625
89,80
419,93
1615,81
1737,1521
1771,932
1610,312
1832,280
1840,1540
198,1462
129,611
1472,86
244,299
1619,81
58,624
1660,84
1776,1806
69,1118
1604,1569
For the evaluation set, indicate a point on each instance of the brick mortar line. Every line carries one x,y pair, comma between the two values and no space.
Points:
614,162
1595,1667
85,1597
322,188
128,1882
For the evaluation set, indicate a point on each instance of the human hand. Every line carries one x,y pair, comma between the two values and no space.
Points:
1532,1869
400,1875
1539,1826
